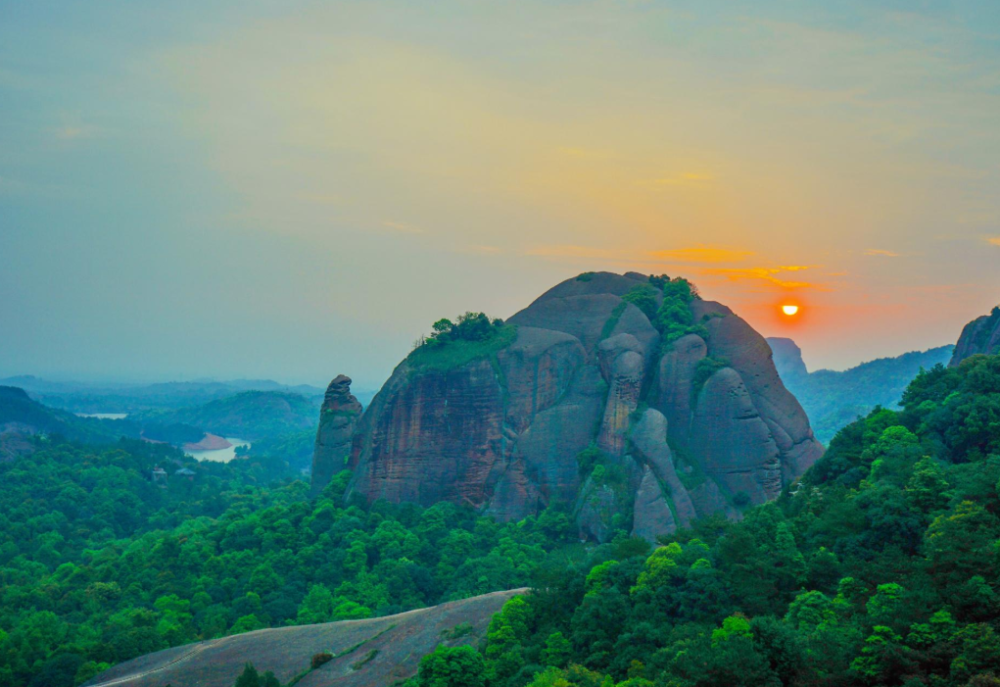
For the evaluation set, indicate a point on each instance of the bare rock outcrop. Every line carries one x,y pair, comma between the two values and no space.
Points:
366,653
339,415
583,405
788,359
979,337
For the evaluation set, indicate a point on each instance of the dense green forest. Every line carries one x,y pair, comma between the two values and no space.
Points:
296,448
99,563
880,567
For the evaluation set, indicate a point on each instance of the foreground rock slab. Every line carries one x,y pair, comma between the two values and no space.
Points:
366,653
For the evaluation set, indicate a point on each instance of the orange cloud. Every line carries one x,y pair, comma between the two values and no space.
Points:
685,178
703,253
881,253
765,274
995,240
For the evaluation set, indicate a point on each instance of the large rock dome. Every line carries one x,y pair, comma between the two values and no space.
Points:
635,407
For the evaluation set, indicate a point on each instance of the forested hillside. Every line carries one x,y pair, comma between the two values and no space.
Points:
881,567
248,415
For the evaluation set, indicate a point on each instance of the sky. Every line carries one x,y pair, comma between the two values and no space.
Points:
298,189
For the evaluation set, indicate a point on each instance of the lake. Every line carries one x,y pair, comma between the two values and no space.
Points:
221,455
104,416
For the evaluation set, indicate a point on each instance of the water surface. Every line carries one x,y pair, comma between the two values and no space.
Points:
220,455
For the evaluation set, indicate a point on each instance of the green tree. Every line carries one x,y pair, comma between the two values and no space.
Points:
452,667
557,650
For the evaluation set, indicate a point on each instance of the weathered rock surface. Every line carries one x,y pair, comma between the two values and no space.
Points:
338,417
788,359
981,336
367,653
503,432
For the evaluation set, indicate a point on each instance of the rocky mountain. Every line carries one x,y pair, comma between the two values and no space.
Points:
358,653
834,399
338,417
624,397
788,360
981,336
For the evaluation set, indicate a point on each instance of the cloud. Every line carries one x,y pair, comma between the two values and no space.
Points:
703,253
765,274
568,251
995,240
685,178
583,153
402,227
71,133
876,252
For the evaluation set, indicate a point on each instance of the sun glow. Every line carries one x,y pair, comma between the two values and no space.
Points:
790,310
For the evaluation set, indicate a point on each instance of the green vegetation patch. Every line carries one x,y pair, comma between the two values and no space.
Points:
703,371
643,296
452,345
688,470
612,321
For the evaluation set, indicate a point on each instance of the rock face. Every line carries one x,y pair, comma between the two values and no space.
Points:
981,336
788,359
589,409
337,419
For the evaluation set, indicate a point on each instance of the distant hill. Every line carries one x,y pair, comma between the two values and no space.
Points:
82,397
22,418
248,415
365,653
834,399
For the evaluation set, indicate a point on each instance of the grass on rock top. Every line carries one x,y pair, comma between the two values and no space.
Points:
449,355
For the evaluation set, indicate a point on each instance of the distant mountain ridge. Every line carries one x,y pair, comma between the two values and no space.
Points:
82,397
834,399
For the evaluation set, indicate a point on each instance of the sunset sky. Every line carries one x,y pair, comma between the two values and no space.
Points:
296,189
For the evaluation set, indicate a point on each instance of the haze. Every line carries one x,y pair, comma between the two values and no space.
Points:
292,189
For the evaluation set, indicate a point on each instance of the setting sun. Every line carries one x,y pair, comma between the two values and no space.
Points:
790,310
